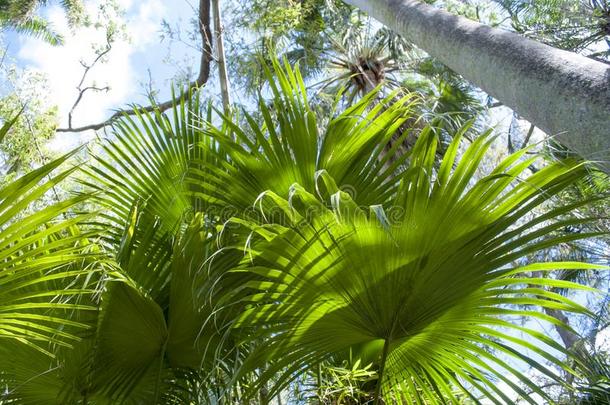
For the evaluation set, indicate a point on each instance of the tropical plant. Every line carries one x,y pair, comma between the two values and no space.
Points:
162,188
420,287
361,61
344,384
43,261
240,256
20,16
48,271
597,391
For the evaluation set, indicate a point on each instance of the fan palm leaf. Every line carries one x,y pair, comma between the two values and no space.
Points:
423,288
287,146
160,183
160,242
48,270
435,255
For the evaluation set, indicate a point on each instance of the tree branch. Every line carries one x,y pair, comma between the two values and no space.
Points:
528,136
204,74
82,90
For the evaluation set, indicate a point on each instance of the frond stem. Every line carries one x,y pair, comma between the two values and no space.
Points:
384,356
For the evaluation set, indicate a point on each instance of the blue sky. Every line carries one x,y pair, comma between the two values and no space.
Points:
126,69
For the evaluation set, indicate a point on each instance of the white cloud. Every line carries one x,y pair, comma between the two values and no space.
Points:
602,340
144,26
62,66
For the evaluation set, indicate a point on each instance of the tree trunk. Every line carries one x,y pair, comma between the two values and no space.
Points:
220,55
564,94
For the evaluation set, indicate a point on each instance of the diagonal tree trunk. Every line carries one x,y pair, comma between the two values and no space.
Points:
564,94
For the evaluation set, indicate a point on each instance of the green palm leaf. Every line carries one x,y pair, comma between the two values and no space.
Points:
437,258
423,288
45,261
161,182
160,240
48,268
286,146
121,362
152,340
36,27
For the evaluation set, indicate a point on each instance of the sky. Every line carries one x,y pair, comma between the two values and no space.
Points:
128,68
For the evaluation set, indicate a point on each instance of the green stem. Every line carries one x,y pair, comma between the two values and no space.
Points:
158,382
319,378
384,356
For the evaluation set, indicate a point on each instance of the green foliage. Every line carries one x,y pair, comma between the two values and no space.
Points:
242,255
596,386
287,146
24,145
433,271
20,16
43,262
447,98
567,24
32,123
297,30
344,384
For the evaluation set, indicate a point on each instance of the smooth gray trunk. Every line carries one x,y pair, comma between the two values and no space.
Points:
220,56
564,94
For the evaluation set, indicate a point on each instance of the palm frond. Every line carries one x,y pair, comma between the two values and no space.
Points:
38,28
422,288
287,146
45,264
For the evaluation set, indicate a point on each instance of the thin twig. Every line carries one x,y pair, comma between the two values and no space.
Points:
82,90
528,136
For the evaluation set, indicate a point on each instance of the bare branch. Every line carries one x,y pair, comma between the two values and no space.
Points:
528,136
204,74
82,90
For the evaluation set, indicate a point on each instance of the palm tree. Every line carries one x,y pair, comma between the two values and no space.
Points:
419,288
43,261
363,59
161,187
285,151
549,87
48,270
238,256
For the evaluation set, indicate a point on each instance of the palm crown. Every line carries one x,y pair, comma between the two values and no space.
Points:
238,256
